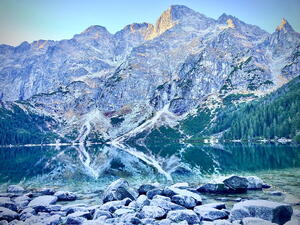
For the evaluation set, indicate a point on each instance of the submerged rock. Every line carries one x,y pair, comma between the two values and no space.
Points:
267,210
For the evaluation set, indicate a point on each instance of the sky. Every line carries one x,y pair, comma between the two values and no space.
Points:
29,20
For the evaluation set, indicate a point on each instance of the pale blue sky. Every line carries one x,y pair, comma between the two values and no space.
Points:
28,20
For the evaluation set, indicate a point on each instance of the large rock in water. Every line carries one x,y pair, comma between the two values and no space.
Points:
118,190
236,184
15,189
65,196
267,210
215,188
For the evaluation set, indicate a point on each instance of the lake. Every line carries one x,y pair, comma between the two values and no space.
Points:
91,168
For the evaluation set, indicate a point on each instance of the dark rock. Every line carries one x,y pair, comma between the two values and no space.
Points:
7,214
68,209
118,190
47,191
275,193
153,192
154,212
65,196
7,203
144,188
15,189
186,201
267,210
26,213
171,191
75,220
213,188
236,184
183,215
210,214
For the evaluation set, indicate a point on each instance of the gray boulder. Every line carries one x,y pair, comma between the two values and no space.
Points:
65,196
7,203
100,213
183,215
210,214
41,203
267,210
47,191
215,205
7,214
144,188
154,212
118,190
236,184
75,220
254,183
124,210
154,192
15,189
84,214
114,205
166,205
186,201
171,191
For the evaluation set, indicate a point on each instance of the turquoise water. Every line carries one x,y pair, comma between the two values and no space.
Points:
92,168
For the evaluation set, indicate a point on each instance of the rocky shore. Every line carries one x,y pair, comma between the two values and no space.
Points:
151,204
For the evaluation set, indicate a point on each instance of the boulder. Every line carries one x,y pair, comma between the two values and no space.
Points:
254,183
68,209
186,201
75,220
267,210
84,214
114,205
22,201
47,191
41,203
142,201
144,188
130,218
162,197
256,221
118,190
210,214
15,189
171,191
3,222
26,213
124,210
65,196
215,205
183,215
154,212
166,205
7,214
214,188
7,203
154,192
236,184
100,213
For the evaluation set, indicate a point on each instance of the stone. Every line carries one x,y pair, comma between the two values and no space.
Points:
215,205
100,213
22,201
7,203
170,191
65,196
275,193
84,214
153,192
15,189
47,191
256,221
267,210
118,190
154,212
114,205
185,201
16,222
210,214
41,203
180,185
183,215
75,220
3,222
162,197
254,183
214,188
68,209
144,188
123,210
7,214
166,205
236,184
141,201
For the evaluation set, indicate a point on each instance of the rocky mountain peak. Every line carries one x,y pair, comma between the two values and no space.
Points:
94,30
284,26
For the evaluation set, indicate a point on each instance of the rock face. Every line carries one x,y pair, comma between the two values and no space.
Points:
266,210
97,79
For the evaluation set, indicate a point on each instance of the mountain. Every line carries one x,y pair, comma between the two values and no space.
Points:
106,86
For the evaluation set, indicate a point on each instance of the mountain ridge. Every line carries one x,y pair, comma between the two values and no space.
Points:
96,77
